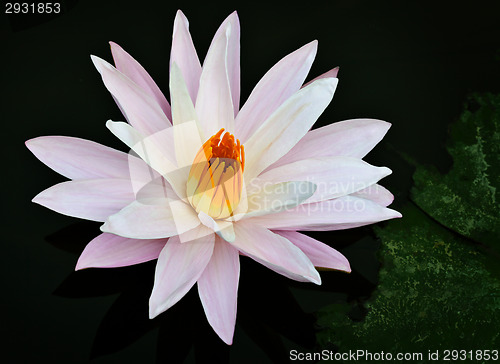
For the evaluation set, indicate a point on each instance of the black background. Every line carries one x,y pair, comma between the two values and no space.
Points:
407,62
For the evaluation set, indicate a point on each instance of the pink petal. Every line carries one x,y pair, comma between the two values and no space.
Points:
277,85
330,74
334,176
141,110
110,251
287,125
337,214
218,289
94,199
184,54
152,219
214,105
76,158
186,131
153,151
350,138
233,56
377,194
321,255
179,267
274,252
133,70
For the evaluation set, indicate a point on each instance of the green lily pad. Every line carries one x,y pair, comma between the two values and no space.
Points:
435,293
467,198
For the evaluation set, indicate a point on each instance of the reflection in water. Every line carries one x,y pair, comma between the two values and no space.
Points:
272,317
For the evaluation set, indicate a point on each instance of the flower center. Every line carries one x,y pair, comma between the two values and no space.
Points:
215,179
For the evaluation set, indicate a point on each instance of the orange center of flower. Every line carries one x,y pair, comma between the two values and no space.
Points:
215,179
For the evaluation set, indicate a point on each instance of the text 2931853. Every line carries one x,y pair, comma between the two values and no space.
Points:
32,8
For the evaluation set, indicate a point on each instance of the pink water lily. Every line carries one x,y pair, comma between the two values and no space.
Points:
208,182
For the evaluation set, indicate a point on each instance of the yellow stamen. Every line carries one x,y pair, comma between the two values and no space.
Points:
215,179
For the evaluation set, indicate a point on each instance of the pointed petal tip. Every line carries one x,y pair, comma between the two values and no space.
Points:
227,340
312,47
347,268
105,228
386,171
115,48
38,199
313,276
83,262
152,312
33,143
180,18
100,64
80,265
393,214
233,15
343,266
383,125
97,62
154,309
316,279
29,143
386,124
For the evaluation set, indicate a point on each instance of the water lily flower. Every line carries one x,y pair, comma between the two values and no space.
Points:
208,182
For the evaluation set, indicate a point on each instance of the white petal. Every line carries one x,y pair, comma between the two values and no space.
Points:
337,214
140,109
110,251
218,289
377,193
232,56
285,127
77,158
184,54
350,138
133,70
94,199
274,252
187,137
334,176
160,218
151,150
277,85
214,105
332,73
179,267
320,254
